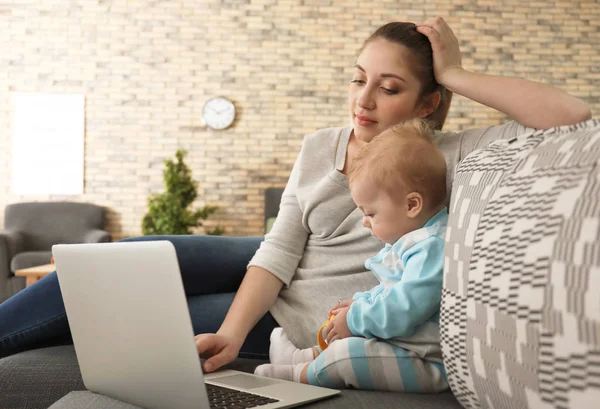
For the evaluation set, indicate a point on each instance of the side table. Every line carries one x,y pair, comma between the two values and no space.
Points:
32,274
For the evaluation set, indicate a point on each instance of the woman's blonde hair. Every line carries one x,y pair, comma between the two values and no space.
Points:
403,159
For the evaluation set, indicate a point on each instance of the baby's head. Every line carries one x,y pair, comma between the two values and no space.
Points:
398,180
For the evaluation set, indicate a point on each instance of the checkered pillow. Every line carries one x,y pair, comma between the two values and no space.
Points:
520,321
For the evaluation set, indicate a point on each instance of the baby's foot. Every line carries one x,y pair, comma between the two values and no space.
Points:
283,352
285,372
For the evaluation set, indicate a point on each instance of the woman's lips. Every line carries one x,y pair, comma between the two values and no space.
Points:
363,120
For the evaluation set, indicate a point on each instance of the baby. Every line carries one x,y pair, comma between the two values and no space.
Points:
386,338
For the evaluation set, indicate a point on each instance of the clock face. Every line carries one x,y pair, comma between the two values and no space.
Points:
218,113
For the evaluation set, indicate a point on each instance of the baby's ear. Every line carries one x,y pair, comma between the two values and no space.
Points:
414,204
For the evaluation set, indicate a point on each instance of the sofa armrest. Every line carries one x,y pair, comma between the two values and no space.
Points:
97,236
11,243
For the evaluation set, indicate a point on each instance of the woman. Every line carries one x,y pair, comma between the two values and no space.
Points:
317,246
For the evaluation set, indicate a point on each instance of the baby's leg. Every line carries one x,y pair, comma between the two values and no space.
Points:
283,352
374,364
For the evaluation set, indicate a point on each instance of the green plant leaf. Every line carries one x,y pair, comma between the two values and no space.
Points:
168,212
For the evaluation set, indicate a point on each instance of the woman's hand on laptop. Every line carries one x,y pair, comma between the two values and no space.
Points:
218,350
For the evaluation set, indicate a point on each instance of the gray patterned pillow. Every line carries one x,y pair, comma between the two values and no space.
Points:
520,321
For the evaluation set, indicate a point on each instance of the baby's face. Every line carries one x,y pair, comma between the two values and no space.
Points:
384,215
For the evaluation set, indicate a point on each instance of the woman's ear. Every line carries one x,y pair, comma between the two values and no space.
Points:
429,104
414,202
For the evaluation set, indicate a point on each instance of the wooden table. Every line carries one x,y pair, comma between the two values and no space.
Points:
32,274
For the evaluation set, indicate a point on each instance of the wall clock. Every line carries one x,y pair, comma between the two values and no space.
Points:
218,113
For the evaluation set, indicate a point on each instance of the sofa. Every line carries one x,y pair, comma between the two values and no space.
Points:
30,230
520,311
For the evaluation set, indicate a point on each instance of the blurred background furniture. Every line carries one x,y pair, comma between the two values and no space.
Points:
272,200
32,228
32,274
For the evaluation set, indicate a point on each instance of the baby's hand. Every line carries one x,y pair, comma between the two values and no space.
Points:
342,303
338,327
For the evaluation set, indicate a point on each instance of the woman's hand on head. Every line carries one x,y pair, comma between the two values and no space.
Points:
446,51
218,350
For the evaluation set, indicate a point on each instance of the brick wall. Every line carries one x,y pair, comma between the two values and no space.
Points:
147,67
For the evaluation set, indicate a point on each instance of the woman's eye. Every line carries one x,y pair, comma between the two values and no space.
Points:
389,90
357,81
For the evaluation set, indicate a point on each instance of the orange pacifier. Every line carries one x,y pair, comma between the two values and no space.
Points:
321,334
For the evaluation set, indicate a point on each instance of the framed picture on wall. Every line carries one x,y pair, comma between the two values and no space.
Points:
48,144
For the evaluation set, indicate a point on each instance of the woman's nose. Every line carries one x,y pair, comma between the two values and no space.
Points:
365,99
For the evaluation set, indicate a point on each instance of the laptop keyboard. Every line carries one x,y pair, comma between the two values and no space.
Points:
225,398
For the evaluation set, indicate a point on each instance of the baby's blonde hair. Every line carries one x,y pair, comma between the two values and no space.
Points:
404,159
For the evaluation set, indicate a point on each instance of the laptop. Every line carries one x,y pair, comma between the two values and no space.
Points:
133,335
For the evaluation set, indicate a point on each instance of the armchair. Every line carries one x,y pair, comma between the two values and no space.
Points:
32,228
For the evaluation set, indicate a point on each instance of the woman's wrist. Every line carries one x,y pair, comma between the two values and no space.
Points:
454,78
234,335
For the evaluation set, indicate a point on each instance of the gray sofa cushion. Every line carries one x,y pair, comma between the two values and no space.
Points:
41,378
37,378
520,308
90,400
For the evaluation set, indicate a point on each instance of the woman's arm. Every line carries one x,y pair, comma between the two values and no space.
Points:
530,103
254,298
272,267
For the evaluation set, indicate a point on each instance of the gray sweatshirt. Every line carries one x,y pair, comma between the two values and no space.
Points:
318,245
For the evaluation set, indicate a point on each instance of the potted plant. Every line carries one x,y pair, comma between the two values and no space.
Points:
169,212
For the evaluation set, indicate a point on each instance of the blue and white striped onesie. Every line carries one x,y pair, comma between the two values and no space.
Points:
397,343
